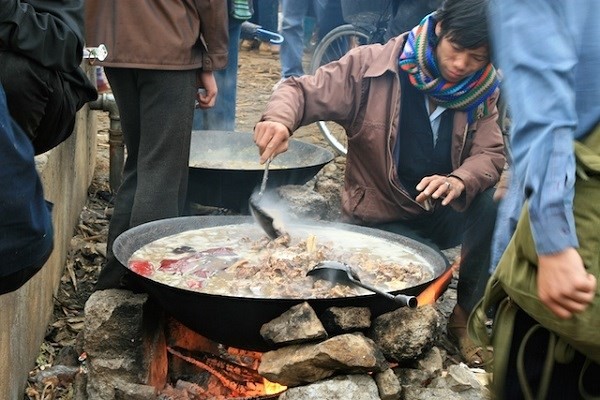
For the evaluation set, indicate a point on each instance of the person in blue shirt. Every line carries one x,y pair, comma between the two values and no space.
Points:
549,52
26,234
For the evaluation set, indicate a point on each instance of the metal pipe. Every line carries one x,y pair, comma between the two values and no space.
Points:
106,102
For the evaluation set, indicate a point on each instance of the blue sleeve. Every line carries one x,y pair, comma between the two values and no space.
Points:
26,234
537,54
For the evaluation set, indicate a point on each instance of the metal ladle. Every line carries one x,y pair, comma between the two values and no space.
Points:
264,219
337,272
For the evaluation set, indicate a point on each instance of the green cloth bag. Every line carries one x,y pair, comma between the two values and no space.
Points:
514,283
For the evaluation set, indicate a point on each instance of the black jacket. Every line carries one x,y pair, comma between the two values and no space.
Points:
50,32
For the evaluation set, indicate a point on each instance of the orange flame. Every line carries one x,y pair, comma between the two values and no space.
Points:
438,286
272,387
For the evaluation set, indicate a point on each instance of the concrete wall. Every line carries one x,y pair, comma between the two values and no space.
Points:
66,172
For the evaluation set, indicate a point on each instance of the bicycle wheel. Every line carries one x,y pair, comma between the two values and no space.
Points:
331,48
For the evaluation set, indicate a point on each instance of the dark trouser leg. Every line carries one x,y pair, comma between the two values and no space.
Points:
476,249
125,89
268,14
408,14
37,101
292,31
329,15
156,109
445,228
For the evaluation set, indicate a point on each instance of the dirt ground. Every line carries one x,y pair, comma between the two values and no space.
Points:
60,355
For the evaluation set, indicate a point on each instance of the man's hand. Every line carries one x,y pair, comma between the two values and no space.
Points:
436,186
563,283
207,97
272,138
502,185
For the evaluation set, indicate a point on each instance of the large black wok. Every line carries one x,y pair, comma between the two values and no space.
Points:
224,168
236,321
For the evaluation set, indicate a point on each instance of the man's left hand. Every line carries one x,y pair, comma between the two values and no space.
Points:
206,80
563,283
438,186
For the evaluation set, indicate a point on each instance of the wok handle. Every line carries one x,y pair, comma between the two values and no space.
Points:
402,299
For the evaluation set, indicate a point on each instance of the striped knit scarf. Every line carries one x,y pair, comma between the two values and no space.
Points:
418,59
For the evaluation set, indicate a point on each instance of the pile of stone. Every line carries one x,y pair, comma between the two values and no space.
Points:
342,354
346,355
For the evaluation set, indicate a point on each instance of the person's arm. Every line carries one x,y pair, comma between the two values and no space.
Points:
25,218
49,32
539,82
538,57
213,28
331,94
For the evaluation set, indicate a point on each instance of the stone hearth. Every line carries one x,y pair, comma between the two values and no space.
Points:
342,354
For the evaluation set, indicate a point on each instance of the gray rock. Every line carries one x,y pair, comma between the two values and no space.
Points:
348,387
388,385
432,362
461,378
406,333
413,377
306,363
418,393
338,320
124,342
297,325
131,391
303,202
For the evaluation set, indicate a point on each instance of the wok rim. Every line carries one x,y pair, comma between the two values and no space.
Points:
325,156
213,221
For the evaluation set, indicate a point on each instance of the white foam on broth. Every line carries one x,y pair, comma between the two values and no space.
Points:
231,260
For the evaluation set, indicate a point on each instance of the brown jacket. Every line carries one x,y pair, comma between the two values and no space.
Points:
362,93
159,34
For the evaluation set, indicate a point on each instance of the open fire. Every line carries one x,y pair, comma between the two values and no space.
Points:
206,370
132,346
438,286
231,375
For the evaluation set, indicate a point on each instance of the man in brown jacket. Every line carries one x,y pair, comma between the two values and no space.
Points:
424,148
159,53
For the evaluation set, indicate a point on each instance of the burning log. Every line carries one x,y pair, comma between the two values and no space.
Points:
248,358
238,379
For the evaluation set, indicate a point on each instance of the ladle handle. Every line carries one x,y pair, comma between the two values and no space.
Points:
263,184
402,299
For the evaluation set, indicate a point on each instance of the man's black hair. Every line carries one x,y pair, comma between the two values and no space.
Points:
464,22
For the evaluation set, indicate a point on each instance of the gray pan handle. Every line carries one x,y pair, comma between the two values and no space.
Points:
402,299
